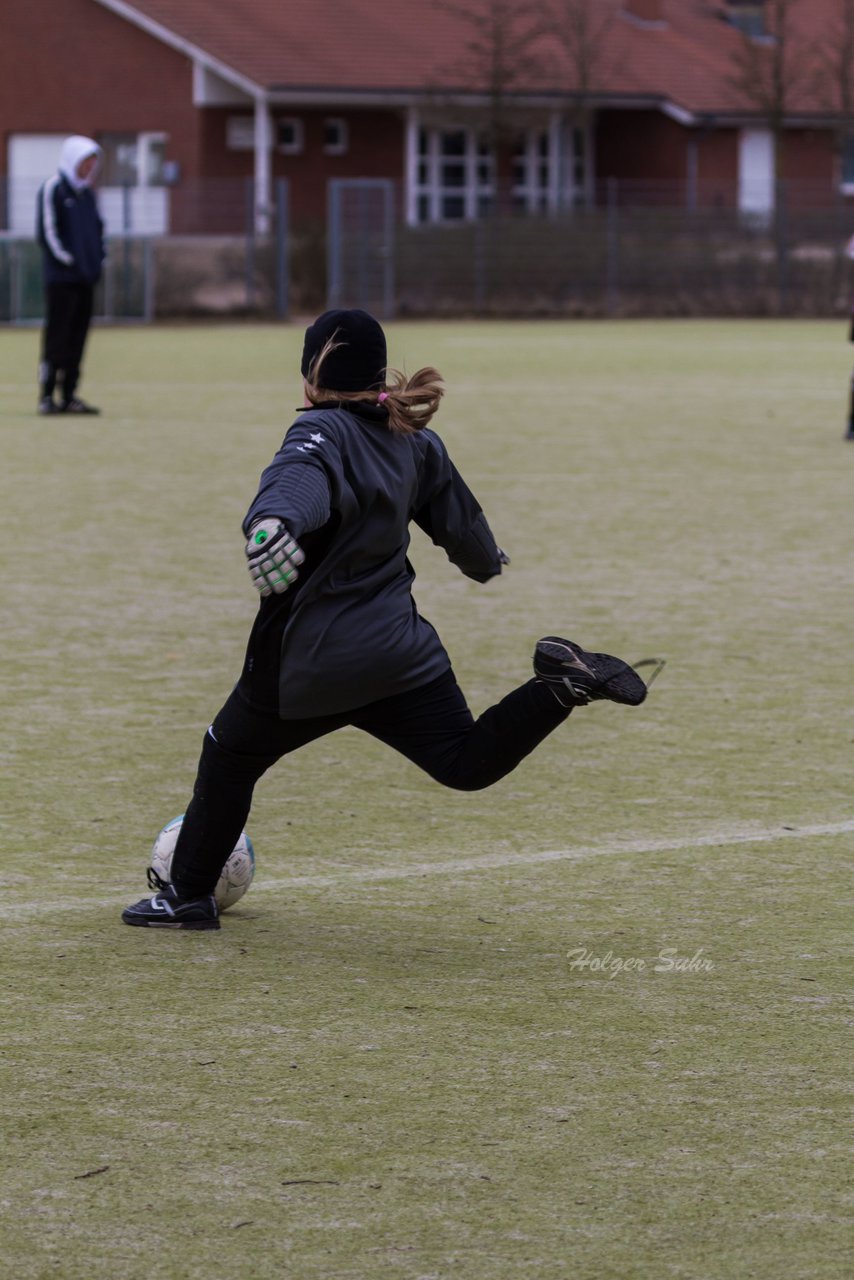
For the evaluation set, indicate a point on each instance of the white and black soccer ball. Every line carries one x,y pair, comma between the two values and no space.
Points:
236,875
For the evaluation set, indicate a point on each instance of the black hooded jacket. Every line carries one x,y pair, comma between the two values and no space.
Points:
349,632
70,232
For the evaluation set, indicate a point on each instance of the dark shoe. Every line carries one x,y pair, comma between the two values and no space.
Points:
167,911
47,405
75,405
577,677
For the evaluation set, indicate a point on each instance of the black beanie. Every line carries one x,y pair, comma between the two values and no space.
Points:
358,363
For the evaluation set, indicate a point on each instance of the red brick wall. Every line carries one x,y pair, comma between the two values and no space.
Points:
71,66
647,146
640,146
375,150
717,168
810,166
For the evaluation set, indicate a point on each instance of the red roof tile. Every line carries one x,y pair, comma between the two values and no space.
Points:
397,46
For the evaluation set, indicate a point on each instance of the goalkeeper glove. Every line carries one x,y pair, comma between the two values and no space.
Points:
274,556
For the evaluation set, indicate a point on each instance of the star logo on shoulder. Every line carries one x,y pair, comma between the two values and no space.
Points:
317,437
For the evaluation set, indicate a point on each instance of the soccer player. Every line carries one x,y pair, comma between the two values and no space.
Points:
337,639
71,235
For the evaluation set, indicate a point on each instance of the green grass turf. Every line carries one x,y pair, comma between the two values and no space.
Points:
385,1065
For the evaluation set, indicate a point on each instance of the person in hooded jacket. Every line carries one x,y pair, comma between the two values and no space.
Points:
338,639
71,234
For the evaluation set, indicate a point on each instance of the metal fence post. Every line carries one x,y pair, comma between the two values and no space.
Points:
388,251
612,249
282,249
250,244
479,262
14,283
363,223
333,244
147,280
126,230
781,246
109,292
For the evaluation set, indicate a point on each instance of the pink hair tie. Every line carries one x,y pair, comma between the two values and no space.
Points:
383,395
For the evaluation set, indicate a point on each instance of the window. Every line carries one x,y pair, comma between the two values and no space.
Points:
290,135
335,137
133,188
120,159
748,16
454,176
133,159
848,162
240,133
532,173
578,167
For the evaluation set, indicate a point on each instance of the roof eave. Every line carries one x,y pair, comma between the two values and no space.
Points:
199,56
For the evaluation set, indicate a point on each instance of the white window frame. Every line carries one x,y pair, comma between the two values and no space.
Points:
432,188
296,147
536,193
342,146
144,144
424,172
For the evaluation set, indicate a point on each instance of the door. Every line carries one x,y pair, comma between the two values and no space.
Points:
32,157
756,173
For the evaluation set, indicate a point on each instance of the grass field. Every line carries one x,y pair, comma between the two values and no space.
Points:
389,1062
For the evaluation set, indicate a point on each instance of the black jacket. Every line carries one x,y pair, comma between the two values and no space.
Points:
70,232
350,633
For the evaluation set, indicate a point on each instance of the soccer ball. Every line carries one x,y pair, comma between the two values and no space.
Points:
236,874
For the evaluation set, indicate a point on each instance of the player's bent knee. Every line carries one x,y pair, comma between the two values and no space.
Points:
458,780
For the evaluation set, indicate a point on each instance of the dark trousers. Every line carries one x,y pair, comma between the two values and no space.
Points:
68,314
432,726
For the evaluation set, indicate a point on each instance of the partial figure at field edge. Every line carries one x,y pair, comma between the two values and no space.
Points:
849,434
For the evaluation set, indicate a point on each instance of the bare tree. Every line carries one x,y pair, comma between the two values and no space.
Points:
834,80
499,58
580,28
770,70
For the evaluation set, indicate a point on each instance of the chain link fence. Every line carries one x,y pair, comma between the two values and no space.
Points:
203,250
638,252
643,249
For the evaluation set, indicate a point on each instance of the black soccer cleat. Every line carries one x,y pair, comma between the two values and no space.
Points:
577,677
47,406
75,405
167,911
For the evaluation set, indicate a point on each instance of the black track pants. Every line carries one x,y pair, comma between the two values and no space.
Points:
67,319
432,726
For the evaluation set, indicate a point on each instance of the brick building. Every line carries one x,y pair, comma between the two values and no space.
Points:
465,105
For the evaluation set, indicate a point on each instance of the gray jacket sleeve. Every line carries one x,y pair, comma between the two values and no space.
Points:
450,515
297,493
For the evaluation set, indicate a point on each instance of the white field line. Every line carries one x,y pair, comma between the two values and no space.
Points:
489,862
